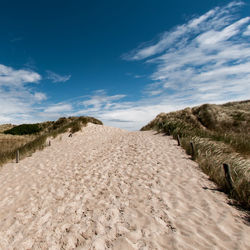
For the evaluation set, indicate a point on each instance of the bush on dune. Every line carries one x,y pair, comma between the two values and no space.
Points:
24,129
76,126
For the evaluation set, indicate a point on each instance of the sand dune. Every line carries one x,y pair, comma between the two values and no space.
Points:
106,188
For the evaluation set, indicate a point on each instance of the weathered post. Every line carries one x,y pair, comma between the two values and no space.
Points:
49,143
228,175
17,156
192,150
178,139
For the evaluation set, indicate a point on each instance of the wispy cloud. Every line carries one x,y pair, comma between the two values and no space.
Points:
139,76
100,100
247,31
54,77
58,108
39,96
206,58
136,75
213,19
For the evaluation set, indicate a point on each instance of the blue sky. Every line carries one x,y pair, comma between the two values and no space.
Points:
123,62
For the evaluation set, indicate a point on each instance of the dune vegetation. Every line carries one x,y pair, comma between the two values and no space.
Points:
27,138
220,134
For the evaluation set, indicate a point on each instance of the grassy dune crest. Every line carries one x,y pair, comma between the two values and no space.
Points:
27,138
220,134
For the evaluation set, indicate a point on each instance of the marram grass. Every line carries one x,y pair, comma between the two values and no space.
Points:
220,134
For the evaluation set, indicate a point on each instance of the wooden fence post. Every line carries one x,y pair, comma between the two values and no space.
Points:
228,175
178,139
193,152
17,156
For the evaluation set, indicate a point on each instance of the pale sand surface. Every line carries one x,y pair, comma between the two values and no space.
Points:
106,188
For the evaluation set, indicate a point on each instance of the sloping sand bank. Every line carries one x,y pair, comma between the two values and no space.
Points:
106,188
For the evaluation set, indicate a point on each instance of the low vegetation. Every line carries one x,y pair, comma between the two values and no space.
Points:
220,134
24,129
76,126
27,138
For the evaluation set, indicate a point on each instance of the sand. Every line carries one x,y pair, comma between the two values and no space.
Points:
106,188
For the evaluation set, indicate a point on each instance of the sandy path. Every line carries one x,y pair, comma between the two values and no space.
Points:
107,188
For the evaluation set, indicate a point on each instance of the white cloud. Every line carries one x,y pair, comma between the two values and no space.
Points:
101,100
195,22
39,96
212,37
12,77
16,95
154,92
247,31
139,76
56,77
55,111
58,108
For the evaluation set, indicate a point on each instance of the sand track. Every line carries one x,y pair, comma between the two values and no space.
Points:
106,188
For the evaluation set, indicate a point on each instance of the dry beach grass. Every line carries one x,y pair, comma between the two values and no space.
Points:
221,134
106,188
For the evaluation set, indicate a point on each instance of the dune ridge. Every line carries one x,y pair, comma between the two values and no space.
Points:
106,188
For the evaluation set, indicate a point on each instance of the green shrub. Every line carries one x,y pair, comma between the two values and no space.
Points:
24,129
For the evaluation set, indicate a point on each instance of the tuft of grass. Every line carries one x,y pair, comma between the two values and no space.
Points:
220,134
76,126
4,127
